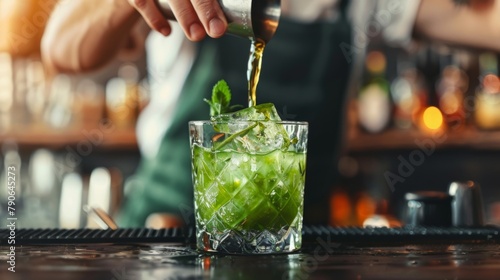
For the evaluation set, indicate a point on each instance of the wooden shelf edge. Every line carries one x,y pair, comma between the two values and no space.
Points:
413,139
84,138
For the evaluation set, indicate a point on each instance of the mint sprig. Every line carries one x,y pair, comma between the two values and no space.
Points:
221,99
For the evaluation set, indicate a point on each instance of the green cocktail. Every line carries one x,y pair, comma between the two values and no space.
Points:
248,185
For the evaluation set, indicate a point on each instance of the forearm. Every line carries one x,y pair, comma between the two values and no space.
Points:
473,25
83,35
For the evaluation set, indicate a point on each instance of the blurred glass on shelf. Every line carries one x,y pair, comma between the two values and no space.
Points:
409,93
487,99
42,194
99,195
6,90
12,158
451,90
421,80
89,105
122,97
36,90
70,207
22,77
374,104
59,110
50,193
54,126
36,190
42,173
30,98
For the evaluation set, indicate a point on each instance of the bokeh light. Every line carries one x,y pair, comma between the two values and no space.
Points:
375,62
433,118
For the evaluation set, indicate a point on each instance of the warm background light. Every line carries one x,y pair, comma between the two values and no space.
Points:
22,24
365,208
433,118
376,62
340,209
491,83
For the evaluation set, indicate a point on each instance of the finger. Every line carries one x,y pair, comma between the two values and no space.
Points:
199,18
211,16
188,19
152,15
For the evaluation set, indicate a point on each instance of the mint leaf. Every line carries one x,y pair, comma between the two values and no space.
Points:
221,94
221,98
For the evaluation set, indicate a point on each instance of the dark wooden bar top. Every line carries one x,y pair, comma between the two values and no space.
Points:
467,254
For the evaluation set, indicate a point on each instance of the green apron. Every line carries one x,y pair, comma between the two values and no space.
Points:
304,73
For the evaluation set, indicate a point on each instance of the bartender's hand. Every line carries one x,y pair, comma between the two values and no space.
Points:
196,17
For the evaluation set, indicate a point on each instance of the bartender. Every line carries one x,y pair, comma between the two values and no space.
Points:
306,71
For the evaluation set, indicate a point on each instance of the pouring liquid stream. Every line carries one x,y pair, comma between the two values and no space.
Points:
254,67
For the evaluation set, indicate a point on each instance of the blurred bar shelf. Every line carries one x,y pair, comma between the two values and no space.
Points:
393,139
36,137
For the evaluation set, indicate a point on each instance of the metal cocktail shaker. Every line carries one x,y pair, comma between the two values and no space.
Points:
467,205
252,19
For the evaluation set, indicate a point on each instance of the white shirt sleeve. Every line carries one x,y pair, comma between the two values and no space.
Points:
400,29
392,19
169,61
311,10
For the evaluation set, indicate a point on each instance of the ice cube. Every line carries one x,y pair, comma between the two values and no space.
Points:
255,129
261,112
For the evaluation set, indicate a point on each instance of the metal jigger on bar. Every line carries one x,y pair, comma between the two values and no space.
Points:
250,19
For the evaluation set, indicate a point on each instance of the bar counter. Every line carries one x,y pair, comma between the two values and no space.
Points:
327,253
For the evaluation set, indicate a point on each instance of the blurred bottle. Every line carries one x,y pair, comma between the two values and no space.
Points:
122,97
70,205
100,193
12,163
6,90
89,103
374,105
365,207
59,111
19,112
409,94
42,196
451,90
340,208
23,91
36,91
22,24
487,99
12,159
